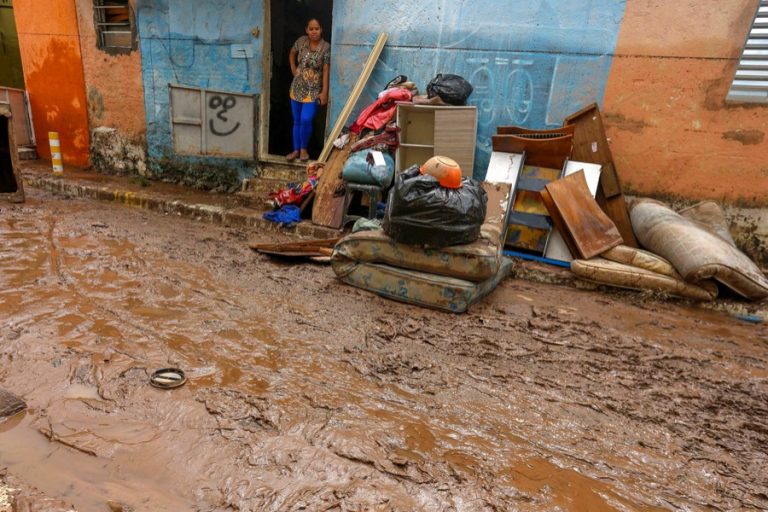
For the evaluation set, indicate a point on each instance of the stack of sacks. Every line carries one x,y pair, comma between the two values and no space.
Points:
698,244
449,278
690,250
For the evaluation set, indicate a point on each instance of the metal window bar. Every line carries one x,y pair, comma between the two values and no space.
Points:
113,24
750,83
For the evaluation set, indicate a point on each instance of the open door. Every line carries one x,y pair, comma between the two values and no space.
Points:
286,21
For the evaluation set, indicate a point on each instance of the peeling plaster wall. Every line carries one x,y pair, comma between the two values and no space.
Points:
671,131
53,75
113,82
531,63
188,42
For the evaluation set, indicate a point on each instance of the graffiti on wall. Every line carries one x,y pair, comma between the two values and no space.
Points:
223,127
193,47
530,63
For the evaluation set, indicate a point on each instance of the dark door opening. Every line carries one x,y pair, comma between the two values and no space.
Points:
8,183
287,21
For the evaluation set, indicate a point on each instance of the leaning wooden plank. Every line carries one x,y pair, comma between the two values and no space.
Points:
585,227
327,209
354,95
590,144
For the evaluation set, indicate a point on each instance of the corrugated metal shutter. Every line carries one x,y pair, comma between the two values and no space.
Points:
750,84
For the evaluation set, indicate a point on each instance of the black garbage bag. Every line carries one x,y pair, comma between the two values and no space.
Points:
421,212
452,89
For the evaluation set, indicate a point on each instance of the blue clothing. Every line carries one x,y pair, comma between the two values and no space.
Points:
288,215
303,114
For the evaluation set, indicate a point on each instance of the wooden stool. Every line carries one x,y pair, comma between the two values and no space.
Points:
374,196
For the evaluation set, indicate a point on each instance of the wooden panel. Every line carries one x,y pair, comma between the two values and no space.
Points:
542,152
529,224
587,230
590,144
456,136
519,130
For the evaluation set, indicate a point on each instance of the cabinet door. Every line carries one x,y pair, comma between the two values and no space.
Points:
455,136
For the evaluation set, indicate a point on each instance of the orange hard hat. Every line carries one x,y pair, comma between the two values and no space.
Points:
445,170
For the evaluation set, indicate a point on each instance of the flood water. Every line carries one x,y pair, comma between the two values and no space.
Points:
305,394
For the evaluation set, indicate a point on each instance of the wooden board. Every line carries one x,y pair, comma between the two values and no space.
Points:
535,134
587,230
557,249
328,207
354,95
308,249
590,144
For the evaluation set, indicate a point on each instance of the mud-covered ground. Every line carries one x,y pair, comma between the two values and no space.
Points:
307,394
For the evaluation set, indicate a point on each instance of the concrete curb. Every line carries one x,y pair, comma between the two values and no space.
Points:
240,217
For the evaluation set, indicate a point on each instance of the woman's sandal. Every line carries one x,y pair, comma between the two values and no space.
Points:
292,156
304,157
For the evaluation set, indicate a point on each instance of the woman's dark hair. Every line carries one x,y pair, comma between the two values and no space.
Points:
310,20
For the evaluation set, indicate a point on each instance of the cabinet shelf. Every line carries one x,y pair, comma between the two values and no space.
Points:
429,130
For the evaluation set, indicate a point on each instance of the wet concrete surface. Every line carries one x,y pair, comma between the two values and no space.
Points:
307,394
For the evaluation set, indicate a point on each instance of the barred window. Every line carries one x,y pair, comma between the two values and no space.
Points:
114,26
750,84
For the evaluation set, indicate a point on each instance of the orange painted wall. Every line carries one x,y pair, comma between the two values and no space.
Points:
113,82
670,129
53,74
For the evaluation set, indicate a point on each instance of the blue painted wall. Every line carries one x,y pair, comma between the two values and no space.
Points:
187,42
531,62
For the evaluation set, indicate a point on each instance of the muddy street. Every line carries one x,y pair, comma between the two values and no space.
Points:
306,394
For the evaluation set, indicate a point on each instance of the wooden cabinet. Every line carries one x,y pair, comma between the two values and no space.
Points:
427,130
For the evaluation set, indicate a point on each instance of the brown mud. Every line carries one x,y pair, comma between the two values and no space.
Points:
306,394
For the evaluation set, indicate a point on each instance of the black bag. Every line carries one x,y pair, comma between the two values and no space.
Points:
452,89
421,212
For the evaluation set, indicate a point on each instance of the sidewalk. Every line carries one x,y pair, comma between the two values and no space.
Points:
232,210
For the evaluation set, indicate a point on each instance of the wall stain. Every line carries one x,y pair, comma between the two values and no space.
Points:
95,105
622,123
746,137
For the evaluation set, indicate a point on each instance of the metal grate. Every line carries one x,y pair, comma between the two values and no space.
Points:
750,84
114,28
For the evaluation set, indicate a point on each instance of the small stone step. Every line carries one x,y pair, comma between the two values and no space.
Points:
284,173
27,153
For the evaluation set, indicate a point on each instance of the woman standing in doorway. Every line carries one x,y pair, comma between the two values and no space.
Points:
310,59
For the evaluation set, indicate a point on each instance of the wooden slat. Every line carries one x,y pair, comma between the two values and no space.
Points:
542,152
590,144
586,229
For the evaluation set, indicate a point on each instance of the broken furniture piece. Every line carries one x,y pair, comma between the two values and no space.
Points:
428,130
585,228
11,185
544,159
590,144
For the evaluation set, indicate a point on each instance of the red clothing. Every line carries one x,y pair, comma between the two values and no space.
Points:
382,111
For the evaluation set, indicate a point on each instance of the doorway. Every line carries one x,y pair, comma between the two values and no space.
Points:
287,21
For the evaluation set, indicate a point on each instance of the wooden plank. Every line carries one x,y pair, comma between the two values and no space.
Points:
354,95
309,248
529,133
590,144
587,230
